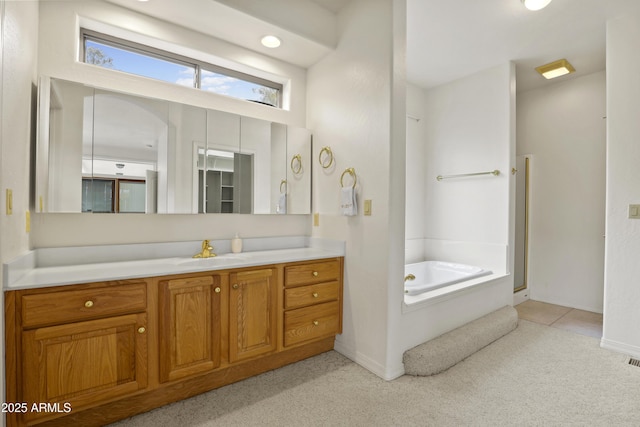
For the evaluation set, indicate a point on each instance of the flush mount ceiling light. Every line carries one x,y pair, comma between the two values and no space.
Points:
535,4
270,42
555,69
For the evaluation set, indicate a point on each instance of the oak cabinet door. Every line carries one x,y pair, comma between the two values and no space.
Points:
189,326
84,363
252,313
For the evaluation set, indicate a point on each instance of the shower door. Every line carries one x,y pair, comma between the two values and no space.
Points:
522,223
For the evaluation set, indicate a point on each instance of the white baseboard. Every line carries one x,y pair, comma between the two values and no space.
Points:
619,347
520,296
368,363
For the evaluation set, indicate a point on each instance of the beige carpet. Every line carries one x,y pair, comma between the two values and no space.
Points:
534,376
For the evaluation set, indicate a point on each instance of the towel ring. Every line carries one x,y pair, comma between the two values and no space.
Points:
352,172
284,181
296,164
329,156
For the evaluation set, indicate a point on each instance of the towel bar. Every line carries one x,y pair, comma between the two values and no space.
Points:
493,172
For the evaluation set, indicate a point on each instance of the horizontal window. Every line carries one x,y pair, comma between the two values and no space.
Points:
123,55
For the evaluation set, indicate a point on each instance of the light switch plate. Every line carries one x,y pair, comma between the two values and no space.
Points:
9,201
634,211
367,207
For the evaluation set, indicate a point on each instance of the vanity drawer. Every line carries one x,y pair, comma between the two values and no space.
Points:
316,272
311,294
316,321
75,305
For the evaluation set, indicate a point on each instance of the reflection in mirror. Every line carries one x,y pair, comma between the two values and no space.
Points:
64,133
187,135
298,169
105,151
278,188
122,155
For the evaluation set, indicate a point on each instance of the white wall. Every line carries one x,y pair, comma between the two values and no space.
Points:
18,51
416,174
349,109
468,130
57,58
562,127
622,246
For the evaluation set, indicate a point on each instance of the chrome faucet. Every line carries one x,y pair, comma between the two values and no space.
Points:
409,277
207,251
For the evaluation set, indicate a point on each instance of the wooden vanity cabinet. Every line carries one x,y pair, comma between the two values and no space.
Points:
253,313
110,350
189,326
312,301
78,348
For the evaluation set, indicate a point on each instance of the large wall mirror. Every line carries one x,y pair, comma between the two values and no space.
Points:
103,151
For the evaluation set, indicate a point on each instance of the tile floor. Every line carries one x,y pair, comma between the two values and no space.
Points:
557,316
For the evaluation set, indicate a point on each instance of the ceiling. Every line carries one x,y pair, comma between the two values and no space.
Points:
446,39
450,39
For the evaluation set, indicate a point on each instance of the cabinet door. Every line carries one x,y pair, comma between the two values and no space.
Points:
252,314
84,363
189,326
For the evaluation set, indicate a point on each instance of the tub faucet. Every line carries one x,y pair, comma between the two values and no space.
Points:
207,251
409,277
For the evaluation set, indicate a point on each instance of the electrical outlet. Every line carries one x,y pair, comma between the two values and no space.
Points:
28,226
634,211
316,219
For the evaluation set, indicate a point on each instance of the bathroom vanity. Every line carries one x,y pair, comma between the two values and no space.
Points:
100,351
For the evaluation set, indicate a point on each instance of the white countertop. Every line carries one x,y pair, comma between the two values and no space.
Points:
33,276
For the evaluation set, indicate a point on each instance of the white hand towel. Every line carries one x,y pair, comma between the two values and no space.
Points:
348,201
282,204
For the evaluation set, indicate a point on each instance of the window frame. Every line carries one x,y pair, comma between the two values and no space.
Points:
140,49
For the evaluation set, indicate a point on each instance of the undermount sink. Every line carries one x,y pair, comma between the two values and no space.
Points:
219,260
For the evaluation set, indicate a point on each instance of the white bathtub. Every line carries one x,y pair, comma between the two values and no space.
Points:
429,275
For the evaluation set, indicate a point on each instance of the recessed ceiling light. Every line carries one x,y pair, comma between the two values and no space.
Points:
270,41
535,4
555,69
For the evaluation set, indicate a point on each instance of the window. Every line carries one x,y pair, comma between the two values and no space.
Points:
123,55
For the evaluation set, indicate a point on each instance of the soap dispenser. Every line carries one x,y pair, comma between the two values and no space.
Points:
236,244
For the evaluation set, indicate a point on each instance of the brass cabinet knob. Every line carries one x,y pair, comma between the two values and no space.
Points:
315,294
217,289
235,286
88,304
315,274
316,323
141,330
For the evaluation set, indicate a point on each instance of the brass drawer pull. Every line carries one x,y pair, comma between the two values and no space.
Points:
141,330
315,294
315,274
235,286
316,323
217,289
88,304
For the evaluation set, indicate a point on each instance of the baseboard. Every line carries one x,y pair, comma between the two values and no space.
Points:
520,296
368,363
619,347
